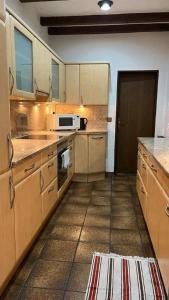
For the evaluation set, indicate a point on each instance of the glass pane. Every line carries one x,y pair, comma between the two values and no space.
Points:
24,62
65,121
55,80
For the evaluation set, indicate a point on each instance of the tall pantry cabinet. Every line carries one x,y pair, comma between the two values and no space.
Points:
7,243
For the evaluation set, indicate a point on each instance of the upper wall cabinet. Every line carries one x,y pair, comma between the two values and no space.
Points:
42,68
57,80
2,10
22,64
73,84
94,84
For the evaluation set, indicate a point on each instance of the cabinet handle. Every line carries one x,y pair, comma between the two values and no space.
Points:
144,155
42,182
50,165
12,192
144,166
51,189
167,210
142,190
153,169
30,168
11,150
13,81
97,137
50,154
70,148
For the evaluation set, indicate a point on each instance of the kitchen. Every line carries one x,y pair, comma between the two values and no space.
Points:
72,108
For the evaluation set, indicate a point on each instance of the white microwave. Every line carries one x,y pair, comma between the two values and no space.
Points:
63,122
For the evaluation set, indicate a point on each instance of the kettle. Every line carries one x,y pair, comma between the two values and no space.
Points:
83,123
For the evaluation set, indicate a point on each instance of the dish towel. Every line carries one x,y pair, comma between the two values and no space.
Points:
66,159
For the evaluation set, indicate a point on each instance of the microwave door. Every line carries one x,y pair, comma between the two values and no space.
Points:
66,122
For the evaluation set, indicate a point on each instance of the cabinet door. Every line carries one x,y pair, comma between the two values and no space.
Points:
73,84
42,67
2,10
4,103
22,61
7,234
163,251
49,171
97,153
155,197
28,211
62,82
94,84
81,154
55,70
49,198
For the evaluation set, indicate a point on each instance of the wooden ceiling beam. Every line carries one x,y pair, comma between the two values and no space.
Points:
129,28
106,19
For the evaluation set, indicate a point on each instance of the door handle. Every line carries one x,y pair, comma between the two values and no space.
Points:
167,210
11,150
42,181
12,192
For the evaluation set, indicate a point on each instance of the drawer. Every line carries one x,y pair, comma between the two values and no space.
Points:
142,195
49,153
49,198
143,152
25,168
48,172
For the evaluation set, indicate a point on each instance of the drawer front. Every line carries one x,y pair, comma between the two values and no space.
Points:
142,195
49,172
143,152
143,171
24,169
49,198
49,153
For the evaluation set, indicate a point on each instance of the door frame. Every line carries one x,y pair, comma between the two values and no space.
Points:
118,105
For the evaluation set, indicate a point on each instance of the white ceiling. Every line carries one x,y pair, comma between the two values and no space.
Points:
89,7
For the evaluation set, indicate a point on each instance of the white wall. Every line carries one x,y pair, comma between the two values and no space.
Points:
141,51
29,16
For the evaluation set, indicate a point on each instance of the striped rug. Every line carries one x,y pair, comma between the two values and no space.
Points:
114,277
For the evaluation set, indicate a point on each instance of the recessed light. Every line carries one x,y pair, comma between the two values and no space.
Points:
105,4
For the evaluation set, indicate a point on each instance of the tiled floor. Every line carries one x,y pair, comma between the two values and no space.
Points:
102,216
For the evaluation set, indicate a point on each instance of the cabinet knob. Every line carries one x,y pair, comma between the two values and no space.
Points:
51,189
153,169
167,210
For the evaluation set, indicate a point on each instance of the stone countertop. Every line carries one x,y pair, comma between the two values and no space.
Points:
24,148
159,149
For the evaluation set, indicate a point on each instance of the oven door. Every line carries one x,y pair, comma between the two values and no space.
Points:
62,172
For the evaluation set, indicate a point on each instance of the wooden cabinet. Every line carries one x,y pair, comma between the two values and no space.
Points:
57,69
7,234
73,84
49,172
5,152
81,154
22,69
49,198
94,84
28,211
97,153
62,82
42,68
2,10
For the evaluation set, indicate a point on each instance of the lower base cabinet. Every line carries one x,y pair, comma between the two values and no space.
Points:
7,233
49,198
28,211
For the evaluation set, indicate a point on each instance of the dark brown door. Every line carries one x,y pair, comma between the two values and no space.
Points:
136,110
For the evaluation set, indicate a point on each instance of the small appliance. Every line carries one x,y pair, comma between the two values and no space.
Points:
63,122
83,123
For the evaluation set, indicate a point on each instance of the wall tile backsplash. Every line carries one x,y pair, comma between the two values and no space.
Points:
36,114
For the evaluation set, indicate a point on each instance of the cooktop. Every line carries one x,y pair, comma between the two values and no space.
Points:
39,137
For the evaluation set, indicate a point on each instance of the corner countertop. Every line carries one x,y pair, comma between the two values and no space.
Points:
159,149
24,148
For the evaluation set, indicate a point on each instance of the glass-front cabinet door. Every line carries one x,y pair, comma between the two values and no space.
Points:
22,70
55,67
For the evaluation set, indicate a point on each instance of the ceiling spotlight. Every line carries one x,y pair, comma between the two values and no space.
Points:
105,4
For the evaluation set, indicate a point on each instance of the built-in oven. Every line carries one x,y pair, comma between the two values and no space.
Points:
62,169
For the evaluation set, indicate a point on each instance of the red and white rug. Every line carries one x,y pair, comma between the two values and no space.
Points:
114,277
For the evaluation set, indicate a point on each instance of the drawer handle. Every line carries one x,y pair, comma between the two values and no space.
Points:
50,165
167,210
97,138
70,148
50,154
29,169
12,192
144,166
153,169
142,190
51,189
42,181
144,155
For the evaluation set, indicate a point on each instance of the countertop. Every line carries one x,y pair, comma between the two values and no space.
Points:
159,149
24,148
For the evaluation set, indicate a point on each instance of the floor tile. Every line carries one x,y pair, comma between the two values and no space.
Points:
99,210
127,250
65,232
12,292
41,294
118,222
74,208
46,231
85,251
121,194
122,210
95,234
125,237
78,200
50,275
59,250
102,200
74,296
125,201
69,219
141,222
23,272
79,277
36,250
97,221
101,193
